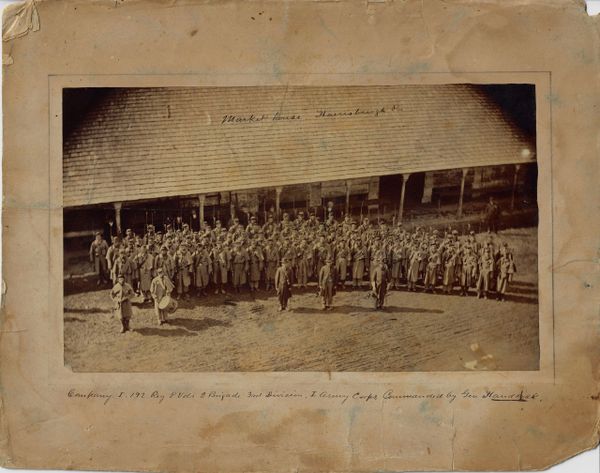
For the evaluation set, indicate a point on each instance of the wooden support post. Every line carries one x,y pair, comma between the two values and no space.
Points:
118,206
348,184
465,171
514,187
278,191
201,201
405,177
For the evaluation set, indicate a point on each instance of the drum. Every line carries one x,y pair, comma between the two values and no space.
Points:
168,304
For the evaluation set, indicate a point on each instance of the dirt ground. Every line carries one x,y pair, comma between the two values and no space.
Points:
415,332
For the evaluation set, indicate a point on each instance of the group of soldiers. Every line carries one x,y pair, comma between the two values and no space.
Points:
335,254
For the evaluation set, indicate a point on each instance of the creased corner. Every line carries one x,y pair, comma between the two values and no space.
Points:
19,19
5,451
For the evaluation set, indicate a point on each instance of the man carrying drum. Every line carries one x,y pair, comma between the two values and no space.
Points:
160,288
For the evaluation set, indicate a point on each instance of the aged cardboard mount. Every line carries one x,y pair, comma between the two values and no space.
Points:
131,113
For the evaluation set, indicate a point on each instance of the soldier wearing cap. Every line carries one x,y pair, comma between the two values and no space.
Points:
299,222
234,226
121,295
129,236
111,256
253,228
397,255
98,252
202,268
342,262
491,216
416,257
217,231
486,270
269,227
359,259
240,265
255,266
380,281
327,283
468,270
449,276
145,264
122,265
166,262
150,234
272,258
221,259
184,264
283,284
506,268
304,257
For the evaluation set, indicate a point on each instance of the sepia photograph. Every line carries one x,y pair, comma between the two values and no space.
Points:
307,237
372,228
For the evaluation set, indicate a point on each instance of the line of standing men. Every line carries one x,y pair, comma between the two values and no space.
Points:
334,254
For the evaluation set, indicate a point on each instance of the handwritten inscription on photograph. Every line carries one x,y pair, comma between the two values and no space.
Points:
301,228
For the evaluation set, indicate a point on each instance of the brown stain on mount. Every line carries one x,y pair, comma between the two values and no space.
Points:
246,424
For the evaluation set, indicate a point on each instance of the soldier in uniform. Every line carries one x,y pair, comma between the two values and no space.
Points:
129,237
505,264
122,265
145,265
283,284
491,216
173,257
253,228
416,256
98,252
121,295
160,287
327,283
255,265
359,257
449,271
202,268
467,271
221,265
379,282
240,265
433,264
184,264
303,262
164,261
111,256
486,269
342,261
269,227
150,235
396,257
272,262
321,253
217,231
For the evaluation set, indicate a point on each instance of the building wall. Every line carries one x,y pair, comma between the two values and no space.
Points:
478,181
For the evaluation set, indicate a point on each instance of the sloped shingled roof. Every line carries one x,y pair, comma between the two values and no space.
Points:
158,142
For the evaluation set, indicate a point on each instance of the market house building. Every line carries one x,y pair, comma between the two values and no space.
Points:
143,155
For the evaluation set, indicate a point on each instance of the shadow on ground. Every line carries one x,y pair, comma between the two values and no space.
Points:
182,327
89,310
363,309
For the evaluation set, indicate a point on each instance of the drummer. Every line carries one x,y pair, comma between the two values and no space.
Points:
160,287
